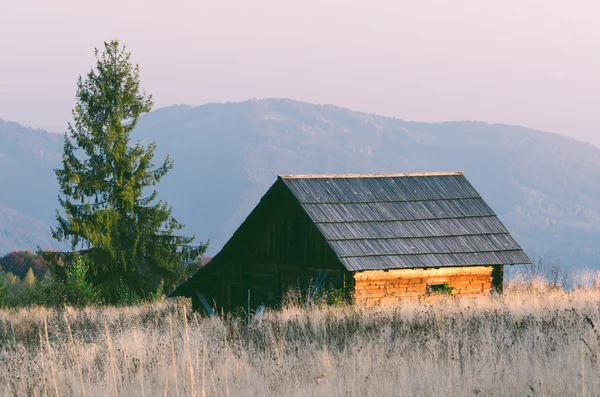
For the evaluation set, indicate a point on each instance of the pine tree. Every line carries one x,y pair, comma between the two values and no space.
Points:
111,212
29,278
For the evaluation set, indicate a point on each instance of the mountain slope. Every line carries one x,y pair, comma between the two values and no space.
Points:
19,232
27,186
545,187
27,159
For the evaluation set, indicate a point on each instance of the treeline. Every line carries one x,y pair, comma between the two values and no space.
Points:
21,275
26,279
23,264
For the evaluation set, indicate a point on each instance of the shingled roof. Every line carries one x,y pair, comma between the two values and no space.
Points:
392,221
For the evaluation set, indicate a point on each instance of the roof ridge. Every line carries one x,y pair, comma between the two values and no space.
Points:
408,174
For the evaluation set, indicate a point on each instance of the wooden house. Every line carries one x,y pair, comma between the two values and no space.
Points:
382,237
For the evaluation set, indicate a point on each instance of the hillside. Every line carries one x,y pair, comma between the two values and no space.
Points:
545,187
27,186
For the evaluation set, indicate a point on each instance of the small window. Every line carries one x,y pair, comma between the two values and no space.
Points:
439,289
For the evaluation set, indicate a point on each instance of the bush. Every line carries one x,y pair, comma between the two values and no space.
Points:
126,296
77,290
158,295
3,290
336,297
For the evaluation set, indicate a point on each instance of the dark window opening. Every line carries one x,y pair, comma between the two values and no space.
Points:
440,289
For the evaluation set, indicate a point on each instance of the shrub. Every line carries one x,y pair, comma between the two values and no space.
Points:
159,294
125,296
336,297
3,290
74,290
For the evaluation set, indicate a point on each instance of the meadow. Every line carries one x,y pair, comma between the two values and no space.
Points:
533,340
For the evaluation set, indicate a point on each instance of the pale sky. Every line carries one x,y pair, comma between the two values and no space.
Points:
529,62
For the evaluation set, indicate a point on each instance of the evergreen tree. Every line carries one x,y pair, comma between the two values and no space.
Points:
111,214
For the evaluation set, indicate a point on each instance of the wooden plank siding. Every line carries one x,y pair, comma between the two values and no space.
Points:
383,287
275,249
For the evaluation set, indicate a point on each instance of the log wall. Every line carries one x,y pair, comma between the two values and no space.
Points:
388,287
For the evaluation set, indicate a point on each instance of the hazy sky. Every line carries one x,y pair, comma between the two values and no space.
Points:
535,63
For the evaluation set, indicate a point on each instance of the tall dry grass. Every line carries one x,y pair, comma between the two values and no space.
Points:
532,340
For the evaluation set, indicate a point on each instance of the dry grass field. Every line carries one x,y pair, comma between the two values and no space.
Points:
531,341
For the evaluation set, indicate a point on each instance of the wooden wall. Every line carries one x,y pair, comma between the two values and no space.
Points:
275,249
388,287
